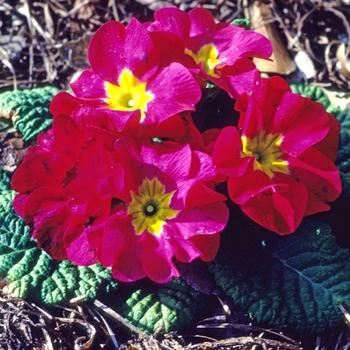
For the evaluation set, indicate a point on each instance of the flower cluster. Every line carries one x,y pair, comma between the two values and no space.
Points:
125,177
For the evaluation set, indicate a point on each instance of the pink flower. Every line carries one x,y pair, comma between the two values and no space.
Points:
221,51
66,182
129,202
280,164
167,210
127,81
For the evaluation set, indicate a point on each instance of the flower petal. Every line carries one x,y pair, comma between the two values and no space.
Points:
204,247
202,22
156,259
79,250
111,120
258,109
173,51
315,205
207,245
127,266
201,194
239,78
48,212
64,103
177,163
318,173
234,42
280,211
302,122
89,85
175,91
110,237
244,188
329,145
228,147
36,171
205,220
171,19
141,56
68,138
106,51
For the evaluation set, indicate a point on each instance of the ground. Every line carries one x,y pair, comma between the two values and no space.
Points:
45,42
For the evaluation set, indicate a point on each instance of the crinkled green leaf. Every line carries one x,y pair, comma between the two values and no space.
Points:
344,118
14,234
6,198
29,109
4,180
343,163
297,281
21,262
343,156
163,308
242,22
68,281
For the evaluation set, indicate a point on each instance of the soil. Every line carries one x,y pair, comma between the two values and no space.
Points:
45,42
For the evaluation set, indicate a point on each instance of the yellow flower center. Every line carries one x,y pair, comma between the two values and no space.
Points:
266,148
129,95
208,57
150,208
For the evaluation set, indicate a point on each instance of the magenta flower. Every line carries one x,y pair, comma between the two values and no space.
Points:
66,182
127,80
280,164
167,210
221,51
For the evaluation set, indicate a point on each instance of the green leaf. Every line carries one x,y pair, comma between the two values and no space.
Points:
21,262
242,22
68,281
209,85
161,309
14,234
4,180
343,156
344,119
29,109
296,282
6,198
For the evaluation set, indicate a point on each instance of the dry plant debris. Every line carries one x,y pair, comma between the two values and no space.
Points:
320,30
45,42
